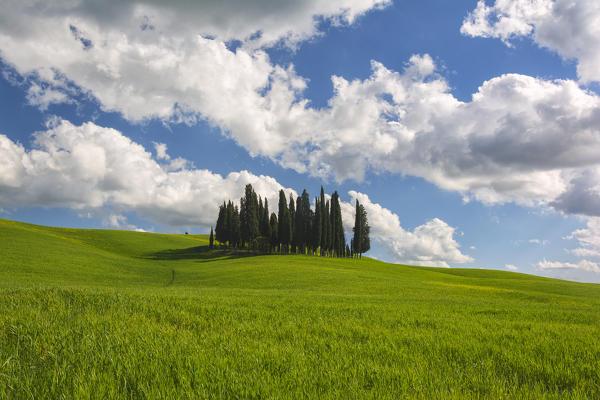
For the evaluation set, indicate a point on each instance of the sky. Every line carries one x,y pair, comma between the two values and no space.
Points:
469,130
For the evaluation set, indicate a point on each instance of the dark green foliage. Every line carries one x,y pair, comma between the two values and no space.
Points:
265,225
296,228
236,236
323,218
211,239
326,229
244,231
338,240
285,223
260,214
361,241
249,213
220,228
317,226
292,224
274,225
252,204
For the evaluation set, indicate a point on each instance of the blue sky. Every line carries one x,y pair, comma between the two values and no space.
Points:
469,129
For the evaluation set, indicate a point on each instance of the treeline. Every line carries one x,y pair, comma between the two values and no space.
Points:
295,229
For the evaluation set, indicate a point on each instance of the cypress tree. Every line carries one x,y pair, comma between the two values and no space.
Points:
274,227
327,229
284,227
210,239
365,244
266,224
305,221
361,241
299,226
341,235
236,236
229,223
244,230
292,224
338,239
333,223
220,227
252,204
260,215
356,240
317,225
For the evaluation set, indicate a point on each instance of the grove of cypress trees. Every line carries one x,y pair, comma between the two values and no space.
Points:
296,227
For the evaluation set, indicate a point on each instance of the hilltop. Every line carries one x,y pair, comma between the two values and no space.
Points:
119,314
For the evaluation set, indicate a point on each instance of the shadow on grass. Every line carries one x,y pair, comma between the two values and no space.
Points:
200,253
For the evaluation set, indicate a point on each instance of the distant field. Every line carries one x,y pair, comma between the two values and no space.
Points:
111,314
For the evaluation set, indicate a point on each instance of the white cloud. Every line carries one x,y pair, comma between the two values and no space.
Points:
588,239
92,168
161,151
511,267
43,97
119,221
538,242
520,139
571,28
581,265
430,244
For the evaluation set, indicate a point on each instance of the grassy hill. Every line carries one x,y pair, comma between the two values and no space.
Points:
114,314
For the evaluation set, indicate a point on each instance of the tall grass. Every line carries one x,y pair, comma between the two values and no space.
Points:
110,314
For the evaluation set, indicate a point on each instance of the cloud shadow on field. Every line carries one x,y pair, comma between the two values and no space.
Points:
199,253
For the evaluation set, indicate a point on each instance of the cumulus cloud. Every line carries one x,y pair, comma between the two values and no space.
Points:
571,28
119,221
520,139
588,239
89,167
42,97
511,267
430,244
584,265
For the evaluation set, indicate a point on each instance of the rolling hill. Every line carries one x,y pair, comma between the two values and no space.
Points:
119,314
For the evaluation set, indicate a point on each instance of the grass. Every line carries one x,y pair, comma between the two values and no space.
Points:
113,314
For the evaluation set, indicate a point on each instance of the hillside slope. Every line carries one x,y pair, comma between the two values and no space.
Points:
117,314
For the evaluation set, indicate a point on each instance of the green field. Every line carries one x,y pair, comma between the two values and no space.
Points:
112,314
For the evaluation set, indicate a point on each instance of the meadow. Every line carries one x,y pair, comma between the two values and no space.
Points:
113,314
